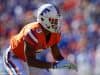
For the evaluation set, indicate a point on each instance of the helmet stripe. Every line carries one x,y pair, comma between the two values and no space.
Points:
57,10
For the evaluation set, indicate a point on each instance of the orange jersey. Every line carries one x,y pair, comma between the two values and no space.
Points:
35,36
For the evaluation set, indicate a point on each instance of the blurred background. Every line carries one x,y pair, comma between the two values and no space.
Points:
80,29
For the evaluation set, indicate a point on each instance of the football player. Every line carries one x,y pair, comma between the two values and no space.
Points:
33,38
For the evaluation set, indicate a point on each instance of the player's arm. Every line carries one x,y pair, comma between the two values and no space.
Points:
31,58
56,53
62,63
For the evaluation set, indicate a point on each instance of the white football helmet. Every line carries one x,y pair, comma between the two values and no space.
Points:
48,16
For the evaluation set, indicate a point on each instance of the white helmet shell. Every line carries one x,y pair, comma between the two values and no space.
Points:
48,16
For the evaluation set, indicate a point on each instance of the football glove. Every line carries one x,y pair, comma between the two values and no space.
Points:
64,64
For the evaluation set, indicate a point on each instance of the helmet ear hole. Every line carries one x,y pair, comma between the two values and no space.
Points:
42,19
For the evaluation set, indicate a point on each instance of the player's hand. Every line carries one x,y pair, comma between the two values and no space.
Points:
64,64
70,66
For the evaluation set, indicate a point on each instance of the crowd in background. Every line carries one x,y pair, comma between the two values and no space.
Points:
80,25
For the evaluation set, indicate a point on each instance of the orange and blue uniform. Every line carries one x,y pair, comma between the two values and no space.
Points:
34,35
